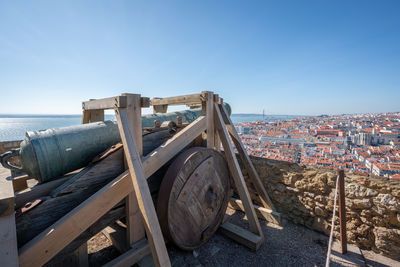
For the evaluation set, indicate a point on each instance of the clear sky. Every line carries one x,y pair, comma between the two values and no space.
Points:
288,57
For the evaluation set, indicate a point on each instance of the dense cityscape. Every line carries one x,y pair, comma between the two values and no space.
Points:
366,144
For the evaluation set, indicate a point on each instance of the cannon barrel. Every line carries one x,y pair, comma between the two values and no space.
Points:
48,154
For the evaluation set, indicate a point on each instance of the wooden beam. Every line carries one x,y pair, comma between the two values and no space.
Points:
142,191
217,141
237,174
210,120
177,100
105,103
241,235
92,115
135,228
38,191
154,160
138,250
253,175
8,235
262,213
85,116
52,240
160,108
8,241
20,182
107,219
6,197
117,235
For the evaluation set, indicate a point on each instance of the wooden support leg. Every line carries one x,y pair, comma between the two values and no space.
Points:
8,241
8,235
210,120
92,115
255,179
237,174
142,191
135,228
138,250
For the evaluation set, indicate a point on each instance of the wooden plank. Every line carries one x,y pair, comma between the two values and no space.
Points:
262,213
241,235
146,261
217,141
52,240
117,235
85,116
135,227
8,235
92,115
160,108
37,191
264,198
69,195
138,250
165,152
105,103
20,182
8,241
96,115
142,191
6,197
237,174
177,100
210,120
108,218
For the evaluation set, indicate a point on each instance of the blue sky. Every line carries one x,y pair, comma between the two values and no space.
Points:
287,57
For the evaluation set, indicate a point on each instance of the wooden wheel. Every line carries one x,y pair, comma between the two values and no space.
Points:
193,197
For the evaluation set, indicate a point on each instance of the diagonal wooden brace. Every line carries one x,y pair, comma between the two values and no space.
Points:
142,191
255,179
237,174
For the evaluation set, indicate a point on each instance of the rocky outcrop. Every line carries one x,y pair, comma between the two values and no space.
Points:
305,195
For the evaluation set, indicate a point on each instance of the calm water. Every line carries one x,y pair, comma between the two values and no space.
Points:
14,127
259,117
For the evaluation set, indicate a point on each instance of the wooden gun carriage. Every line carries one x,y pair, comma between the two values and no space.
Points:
179,191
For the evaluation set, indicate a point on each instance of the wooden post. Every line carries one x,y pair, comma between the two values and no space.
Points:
210,120
135,228
237,174
342,212
142,191
264,198
92,115
8,235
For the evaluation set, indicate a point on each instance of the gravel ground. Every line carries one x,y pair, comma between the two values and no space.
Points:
290,245
287,245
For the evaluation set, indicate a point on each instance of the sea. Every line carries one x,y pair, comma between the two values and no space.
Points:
13,127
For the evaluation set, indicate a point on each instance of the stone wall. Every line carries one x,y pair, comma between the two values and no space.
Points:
305,196
8,145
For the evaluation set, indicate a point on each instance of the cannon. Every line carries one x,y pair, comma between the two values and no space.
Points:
48,154
182,183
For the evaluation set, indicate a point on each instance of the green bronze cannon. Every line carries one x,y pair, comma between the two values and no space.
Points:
48,154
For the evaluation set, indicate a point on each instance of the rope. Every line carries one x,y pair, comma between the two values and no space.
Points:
328,256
